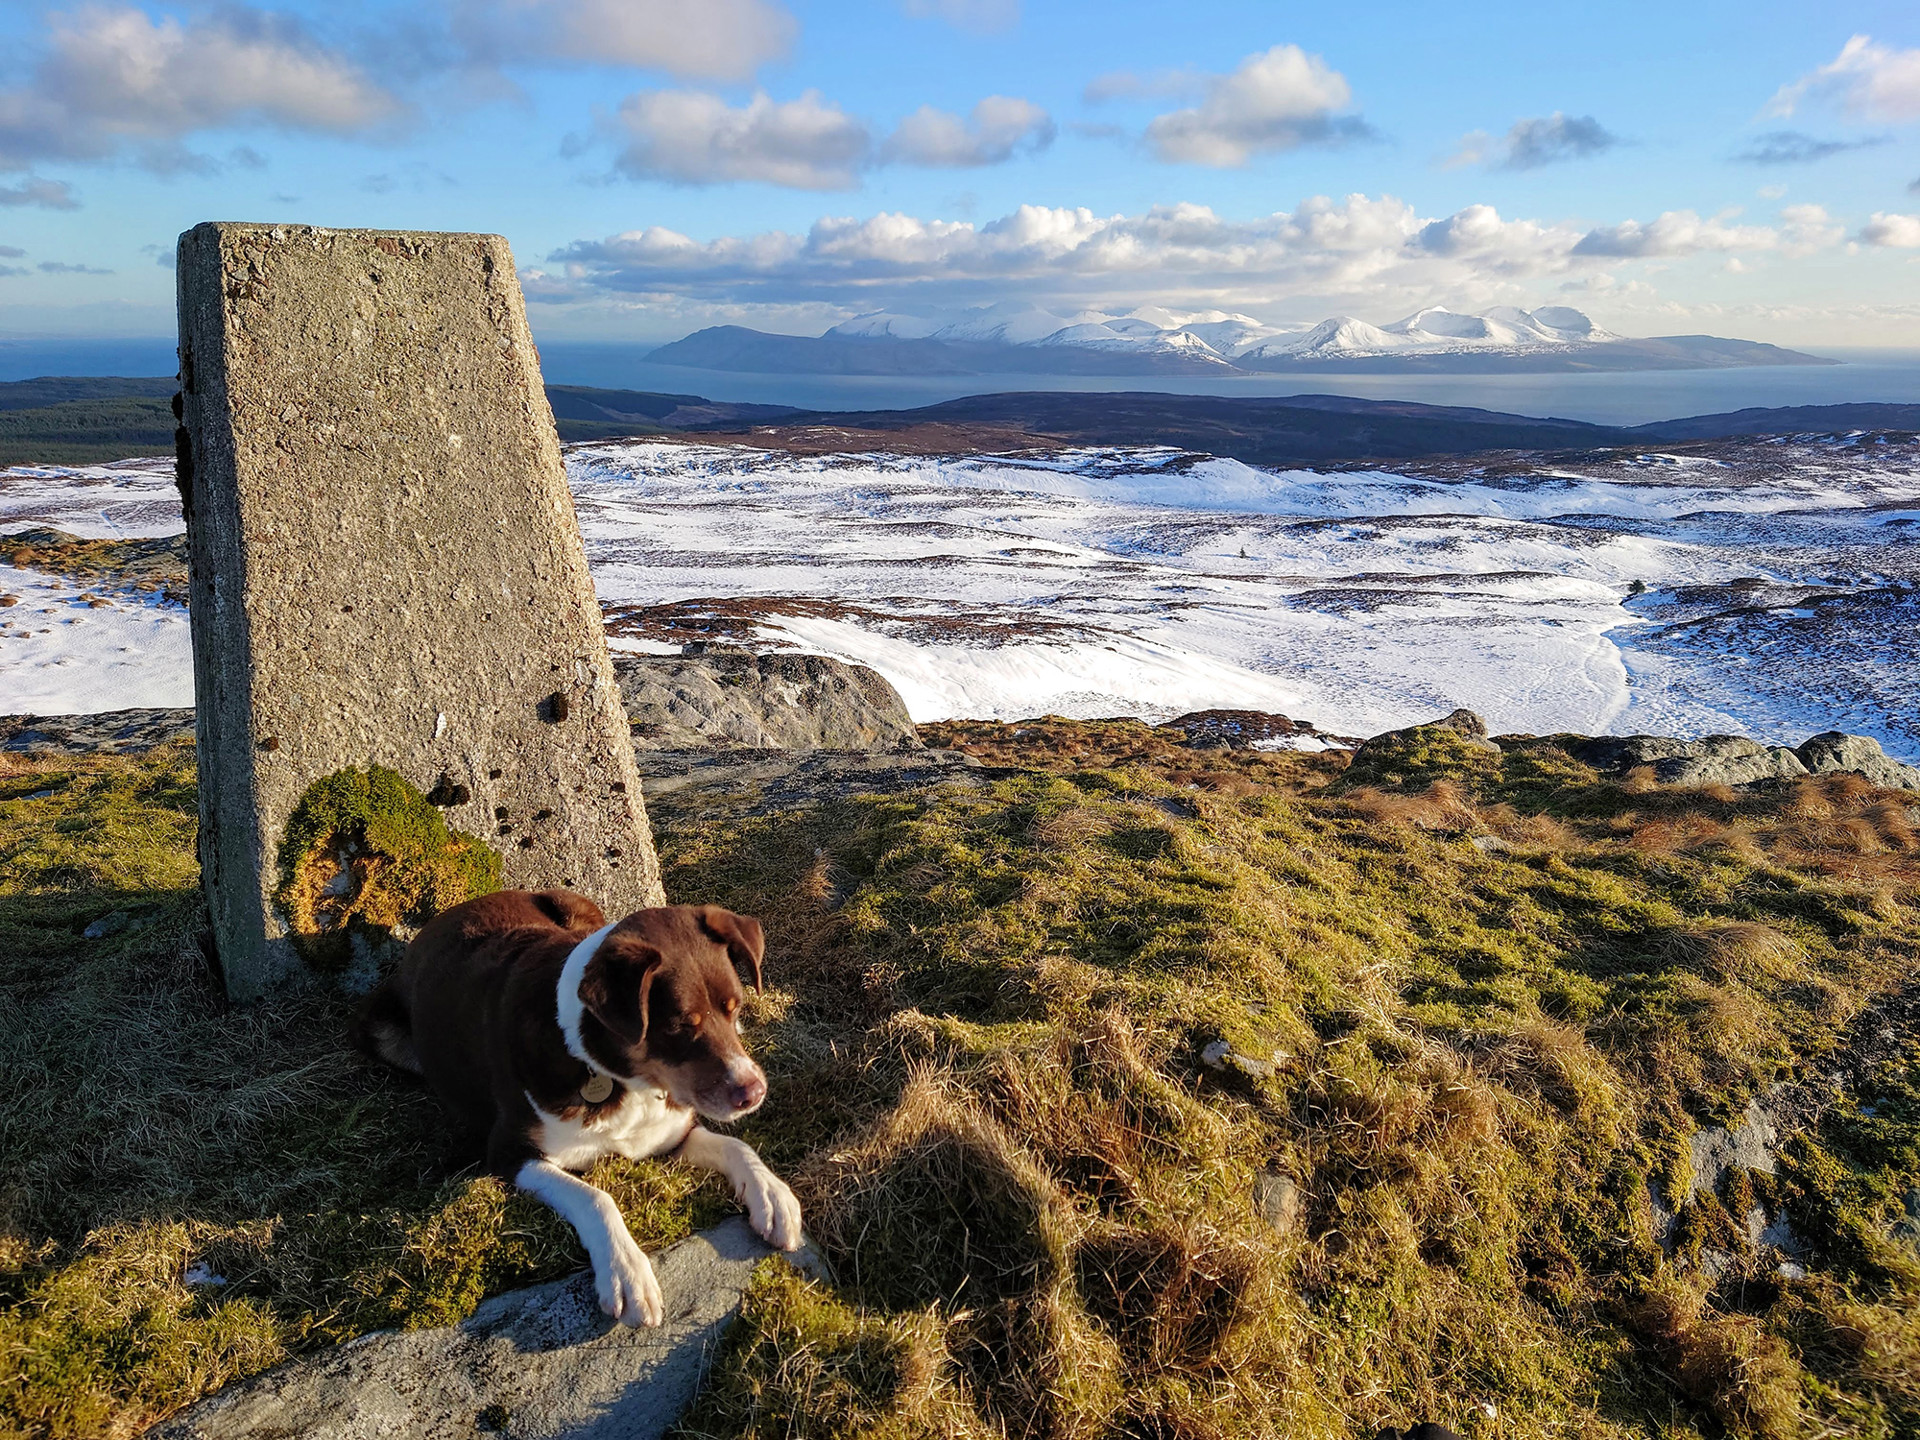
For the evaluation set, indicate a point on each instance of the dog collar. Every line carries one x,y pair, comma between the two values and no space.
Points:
568,1007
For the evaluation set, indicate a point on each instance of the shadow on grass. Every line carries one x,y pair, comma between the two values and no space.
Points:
193,1191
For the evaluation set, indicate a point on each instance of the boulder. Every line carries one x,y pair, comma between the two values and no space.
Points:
1736,760
542,1362
1464,723
711,700
1252,730
1461,725
1423,752
1710,760
706,701
1834,750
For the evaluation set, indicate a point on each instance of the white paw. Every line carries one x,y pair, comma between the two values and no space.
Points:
771,1208
628,1290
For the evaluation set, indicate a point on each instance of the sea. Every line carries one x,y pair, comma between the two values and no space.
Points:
1631,398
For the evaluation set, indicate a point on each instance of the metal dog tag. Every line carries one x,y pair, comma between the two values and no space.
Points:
597,1089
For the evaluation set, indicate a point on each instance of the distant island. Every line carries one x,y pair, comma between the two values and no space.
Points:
77,420
1013,338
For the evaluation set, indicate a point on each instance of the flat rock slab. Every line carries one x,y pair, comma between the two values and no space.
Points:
386,568
109,732
761,702
536,1364
740,783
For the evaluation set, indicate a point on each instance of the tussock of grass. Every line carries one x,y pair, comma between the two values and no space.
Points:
1484,1000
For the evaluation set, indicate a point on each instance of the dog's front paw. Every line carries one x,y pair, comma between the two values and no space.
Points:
629,1292
772,1209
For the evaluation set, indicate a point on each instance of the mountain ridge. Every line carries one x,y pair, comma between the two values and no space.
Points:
1010,338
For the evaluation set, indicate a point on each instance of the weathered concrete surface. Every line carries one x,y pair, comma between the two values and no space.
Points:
533,1364
386,567
761,702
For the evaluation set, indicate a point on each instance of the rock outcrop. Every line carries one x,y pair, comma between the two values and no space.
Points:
535,1364
1252,730
701,702
1833,750
1710,760
1736,760
721,700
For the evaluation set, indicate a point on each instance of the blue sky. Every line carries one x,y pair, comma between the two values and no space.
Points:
1746,169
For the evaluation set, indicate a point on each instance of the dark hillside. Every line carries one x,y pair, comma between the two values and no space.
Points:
58,419
1788,420
91,431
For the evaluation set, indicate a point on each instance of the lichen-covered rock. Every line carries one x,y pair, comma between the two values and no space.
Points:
760,702
1447,748
1710,760
1861,754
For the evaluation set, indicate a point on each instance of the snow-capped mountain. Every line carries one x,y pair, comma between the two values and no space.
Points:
1013,337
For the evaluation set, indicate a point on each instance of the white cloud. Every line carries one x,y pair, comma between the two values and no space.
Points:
1531,143
980,17
1900,232
1807,228
1872,80
695,138
115,80
1675,233
999,126
36,191
1280,99
698,139
1368,252
692,39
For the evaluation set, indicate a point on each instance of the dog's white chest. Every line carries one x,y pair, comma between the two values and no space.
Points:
645,1123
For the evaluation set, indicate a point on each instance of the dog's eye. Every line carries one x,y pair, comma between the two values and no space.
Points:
696,1020
733,1008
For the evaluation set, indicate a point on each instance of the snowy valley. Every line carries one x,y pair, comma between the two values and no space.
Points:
1761,587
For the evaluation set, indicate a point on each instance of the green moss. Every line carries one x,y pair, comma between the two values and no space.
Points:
805,1363
364,853
1419,756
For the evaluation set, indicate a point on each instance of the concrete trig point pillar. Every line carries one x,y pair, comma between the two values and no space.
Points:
386,568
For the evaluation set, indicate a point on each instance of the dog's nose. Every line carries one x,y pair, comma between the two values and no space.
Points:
747,1090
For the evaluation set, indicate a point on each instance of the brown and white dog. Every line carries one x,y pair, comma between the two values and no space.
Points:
563,1038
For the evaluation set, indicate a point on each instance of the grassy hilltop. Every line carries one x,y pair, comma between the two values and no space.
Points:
1472,1005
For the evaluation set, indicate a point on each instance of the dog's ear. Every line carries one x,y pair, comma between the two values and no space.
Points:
615,986
746,942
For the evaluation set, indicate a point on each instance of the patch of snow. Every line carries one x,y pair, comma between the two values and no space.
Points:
61,656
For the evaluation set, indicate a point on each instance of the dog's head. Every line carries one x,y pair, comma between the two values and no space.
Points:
661,999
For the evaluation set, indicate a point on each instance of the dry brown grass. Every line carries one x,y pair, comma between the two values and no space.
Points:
1442,805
